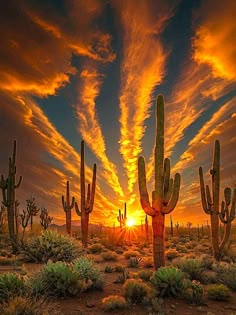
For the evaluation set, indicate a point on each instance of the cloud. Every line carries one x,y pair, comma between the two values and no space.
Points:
36,50
214,42
142,68
89,127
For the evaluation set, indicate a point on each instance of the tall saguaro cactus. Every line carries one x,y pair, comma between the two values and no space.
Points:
67,206
8,187
122,217
210,204
86,205
166,190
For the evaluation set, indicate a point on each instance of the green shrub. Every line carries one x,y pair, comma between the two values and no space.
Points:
170,281
113,302
194,294
96,249
226,274
145,275
28,306
134,262
136,290
108,269
57,279
218,292
50,245
11,285
109,256
193,267
88,273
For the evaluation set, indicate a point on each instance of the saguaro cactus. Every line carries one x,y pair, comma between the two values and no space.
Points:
86,205
166,190
146,227
210,204
8,187
122,218
45,219
67,206
171,227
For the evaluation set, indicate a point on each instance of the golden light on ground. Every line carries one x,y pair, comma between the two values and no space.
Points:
130,222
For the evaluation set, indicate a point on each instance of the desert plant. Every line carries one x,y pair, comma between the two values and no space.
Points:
88,273
134,262
130,254
8,187
50,245
56,279
11,285
28,305
136,290
145,275
109,256
122,217
123,276
3,217
86,206
67,206
118,268
170,281
96,249
113,302
166,192
218,292
193,267
172,254
226,274
194,294
210,205
146,227
108,269
45,219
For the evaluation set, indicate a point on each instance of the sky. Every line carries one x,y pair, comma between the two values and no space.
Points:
91,69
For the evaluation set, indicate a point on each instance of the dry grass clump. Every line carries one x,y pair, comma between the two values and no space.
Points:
109,256
113,302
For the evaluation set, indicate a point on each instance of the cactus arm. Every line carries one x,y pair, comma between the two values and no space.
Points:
77,209
167,194
144,198
205,195
175,195
63,202
166,175
72,203
93,189
224,214
19,182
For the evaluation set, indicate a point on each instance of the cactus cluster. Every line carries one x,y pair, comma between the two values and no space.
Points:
166,190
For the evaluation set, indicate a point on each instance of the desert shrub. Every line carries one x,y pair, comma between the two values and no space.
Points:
193,267
28,305
134,262
218,292
148,263
11,285
226,274
136,290
88,273
56,279
171,254
194,294
50,245
169,281
118,268
207,262
108,269
130,254
96,249
208,277
109,256
113,302
145,275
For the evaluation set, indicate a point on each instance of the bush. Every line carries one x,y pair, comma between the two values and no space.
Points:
130,254
96,249
145,275
88,273
170,281
119,268
218,292
171,254
134,262
56,279
109,256
11,285
50,245
194,294
28,306
108,269
113,302
226,274
193,267
148,263
136,290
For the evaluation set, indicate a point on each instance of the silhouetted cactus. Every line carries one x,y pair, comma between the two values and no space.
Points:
166,191
146,227
122,218
86,205
210,204
45,219
3,218
171,227
8,187
67,206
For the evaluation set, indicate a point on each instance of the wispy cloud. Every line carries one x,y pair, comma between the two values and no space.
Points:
89,127
142,68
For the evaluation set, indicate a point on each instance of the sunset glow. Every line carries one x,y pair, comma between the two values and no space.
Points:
91,70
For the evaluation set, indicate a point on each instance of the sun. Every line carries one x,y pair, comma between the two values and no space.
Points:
130,222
